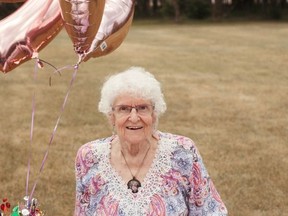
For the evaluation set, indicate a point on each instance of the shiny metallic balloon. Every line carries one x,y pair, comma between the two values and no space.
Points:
116,21
28,30
82,19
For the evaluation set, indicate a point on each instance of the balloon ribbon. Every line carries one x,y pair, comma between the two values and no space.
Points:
40,62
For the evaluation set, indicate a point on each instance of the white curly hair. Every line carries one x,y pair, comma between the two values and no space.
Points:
135,81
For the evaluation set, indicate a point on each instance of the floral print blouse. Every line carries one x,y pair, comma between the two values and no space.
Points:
176,184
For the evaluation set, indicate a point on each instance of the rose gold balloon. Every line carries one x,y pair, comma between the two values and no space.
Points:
28,30
115,24
82,19
112,42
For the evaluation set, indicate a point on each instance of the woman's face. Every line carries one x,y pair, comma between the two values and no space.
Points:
133,119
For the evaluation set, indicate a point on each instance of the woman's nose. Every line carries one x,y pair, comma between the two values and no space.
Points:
133,115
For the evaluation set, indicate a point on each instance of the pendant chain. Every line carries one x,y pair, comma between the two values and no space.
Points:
140,164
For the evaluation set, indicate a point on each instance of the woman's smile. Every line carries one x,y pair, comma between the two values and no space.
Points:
134,127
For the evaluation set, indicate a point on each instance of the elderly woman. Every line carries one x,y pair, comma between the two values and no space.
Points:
140,170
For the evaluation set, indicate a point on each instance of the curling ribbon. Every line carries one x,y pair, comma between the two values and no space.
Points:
40,62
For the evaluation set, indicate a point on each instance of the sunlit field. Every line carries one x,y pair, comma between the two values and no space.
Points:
226,87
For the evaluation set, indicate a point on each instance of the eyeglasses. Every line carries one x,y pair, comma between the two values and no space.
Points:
142,109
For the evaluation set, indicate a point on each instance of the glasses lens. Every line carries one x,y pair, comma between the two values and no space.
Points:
123,109
143,109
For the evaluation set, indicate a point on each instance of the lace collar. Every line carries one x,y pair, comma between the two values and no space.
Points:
129,203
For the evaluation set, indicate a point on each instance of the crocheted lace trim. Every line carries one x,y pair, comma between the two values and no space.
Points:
136,204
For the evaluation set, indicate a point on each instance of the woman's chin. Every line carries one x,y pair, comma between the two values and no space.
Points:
135,138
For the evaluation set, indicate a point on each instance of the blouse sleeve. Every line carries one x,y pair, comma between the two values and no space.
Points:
203,197
81,169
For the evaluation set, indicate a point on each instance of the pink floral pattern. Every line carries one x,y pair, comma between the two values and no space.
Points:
107,206
177,183
157,206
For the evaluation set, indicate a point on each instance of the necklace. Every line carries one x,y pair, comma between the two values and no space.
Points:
134,183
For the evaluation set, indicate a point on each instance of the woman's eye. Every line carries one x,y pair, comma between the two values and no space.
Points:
124,108
142,107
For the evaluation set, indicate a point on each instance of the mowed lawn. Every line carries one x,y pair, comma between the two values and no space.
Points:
226,87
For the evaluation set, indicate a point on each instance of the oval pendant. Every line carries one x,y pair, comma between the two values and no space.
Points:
134,184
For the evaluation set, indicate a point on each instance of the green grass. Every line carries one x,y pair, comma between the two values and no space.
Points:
225,87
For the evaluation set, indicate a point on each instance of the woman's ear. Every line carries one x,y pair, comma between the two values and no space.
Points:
154,118
111,119
155,125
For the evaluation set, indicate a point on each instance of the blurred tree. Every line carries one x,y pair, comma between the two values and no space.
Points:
217,8
196,9
176,7
142,8
154,6
268,9
192,9
8,8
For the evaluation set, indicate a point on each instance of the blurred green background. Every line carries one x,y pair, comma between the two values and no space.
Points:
198,9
